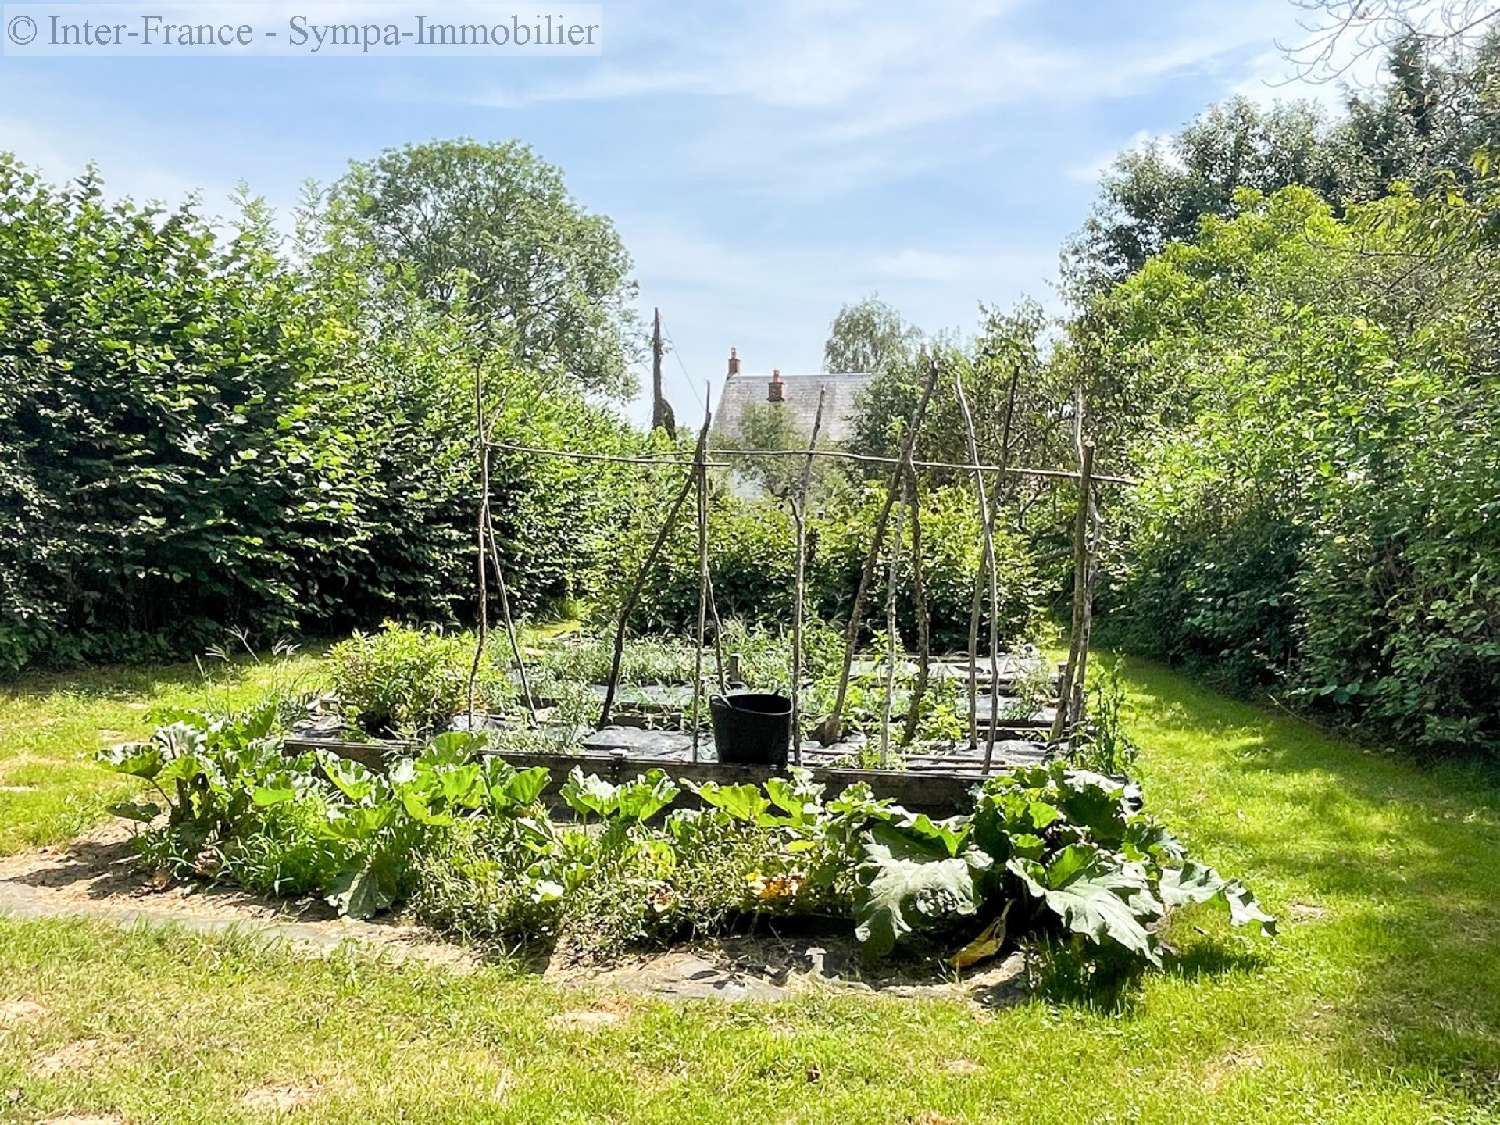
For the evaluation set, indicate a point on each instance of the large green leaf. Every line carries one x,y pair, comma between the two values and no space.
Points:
354,780
143,812
1091,893
797,795
643,798
273,794
455,746
139,759
904,885
590,794
359,823
1198,882
949,835
743,802
524,787
359,892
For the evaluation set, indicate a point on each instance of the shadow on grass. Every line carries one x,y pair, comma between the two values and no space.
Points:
1390,862
1207,959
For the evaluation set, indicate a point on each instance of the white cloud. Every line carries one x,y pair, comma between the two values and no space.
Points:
1090,171
864,71
920,265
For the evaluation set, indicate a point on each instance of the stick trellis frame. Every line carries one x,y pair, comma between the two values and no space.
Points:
902,486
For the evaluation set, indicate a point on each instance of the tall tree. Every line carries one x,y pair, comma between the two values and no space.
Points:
869,336
1439,103
492,228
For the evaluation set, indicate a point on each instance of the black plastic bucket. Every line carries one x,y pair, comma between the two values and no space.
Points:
752,728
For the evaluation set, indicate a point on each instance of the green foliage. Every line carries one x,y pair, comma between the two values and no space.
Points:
460,837
905,885
1004,377
198,430
404,682
1080,847
753,566
869,336
1421,123
492,231
1101,743
1313,516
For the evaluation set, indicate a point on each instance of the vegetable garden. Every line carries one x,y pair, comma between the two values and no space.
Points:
565,795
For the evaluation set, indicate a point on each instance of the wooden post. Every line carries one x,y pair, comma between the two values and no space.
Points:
976,606
1073,672
504,592
924,616
831,729
987,531
700,474
713,605
484,502
713,615
893,575
661,410
632,595
799,588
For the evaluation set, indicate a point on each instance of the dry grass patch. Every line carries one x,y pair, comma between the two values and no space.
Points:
77,1055
279,1098
20,1011
586,1019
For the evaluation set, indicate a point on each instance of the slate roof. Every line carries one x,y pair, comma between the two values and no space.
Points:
800,400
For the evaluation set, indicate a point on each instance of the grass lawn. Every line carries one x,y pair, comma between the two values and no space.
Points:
51,725
1379,1002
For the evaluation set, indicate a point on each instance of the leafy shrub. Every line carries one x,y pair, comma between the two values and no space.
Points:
1317,510
404,682
1101,743
765,657
198,431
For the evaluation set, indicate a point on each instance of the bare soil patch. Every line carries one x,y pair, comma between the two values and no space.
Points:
20,1011
96,876
77,1055
279,1098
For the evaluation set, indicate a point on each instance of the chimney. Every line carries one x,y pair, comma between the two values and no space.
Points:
775,392
734,362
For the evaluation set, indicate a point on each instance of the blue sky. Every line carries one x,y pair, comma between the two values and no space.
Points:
764,162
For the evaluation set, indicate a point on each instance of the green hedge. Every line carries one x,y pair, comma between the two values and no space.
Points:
196,433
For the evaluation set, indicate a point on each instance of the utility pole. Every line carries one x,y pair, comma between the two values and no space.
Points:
661,410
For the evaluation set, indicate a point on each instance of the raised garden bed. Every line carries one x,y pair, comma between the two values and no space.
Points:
934,782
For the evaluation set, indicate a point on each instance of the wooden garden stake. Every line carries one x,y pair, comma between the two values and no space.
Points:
830,730
713,615
700,475
799,516
1070,692
486,538
892,576
924,620
632,595
484,503
708,580
987,529
504,593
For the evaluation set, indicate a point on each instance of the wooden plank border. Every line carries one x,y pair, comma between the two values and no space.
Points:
926,790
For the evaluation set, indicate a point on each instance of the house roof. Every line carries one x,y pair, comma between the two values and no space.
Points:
740,392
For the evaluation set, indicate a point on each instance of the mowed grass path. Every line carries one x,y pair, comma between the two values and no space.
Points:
1379,1002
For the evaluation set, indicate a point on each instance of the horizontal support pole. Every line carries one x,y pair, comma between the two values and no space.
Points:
832,454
